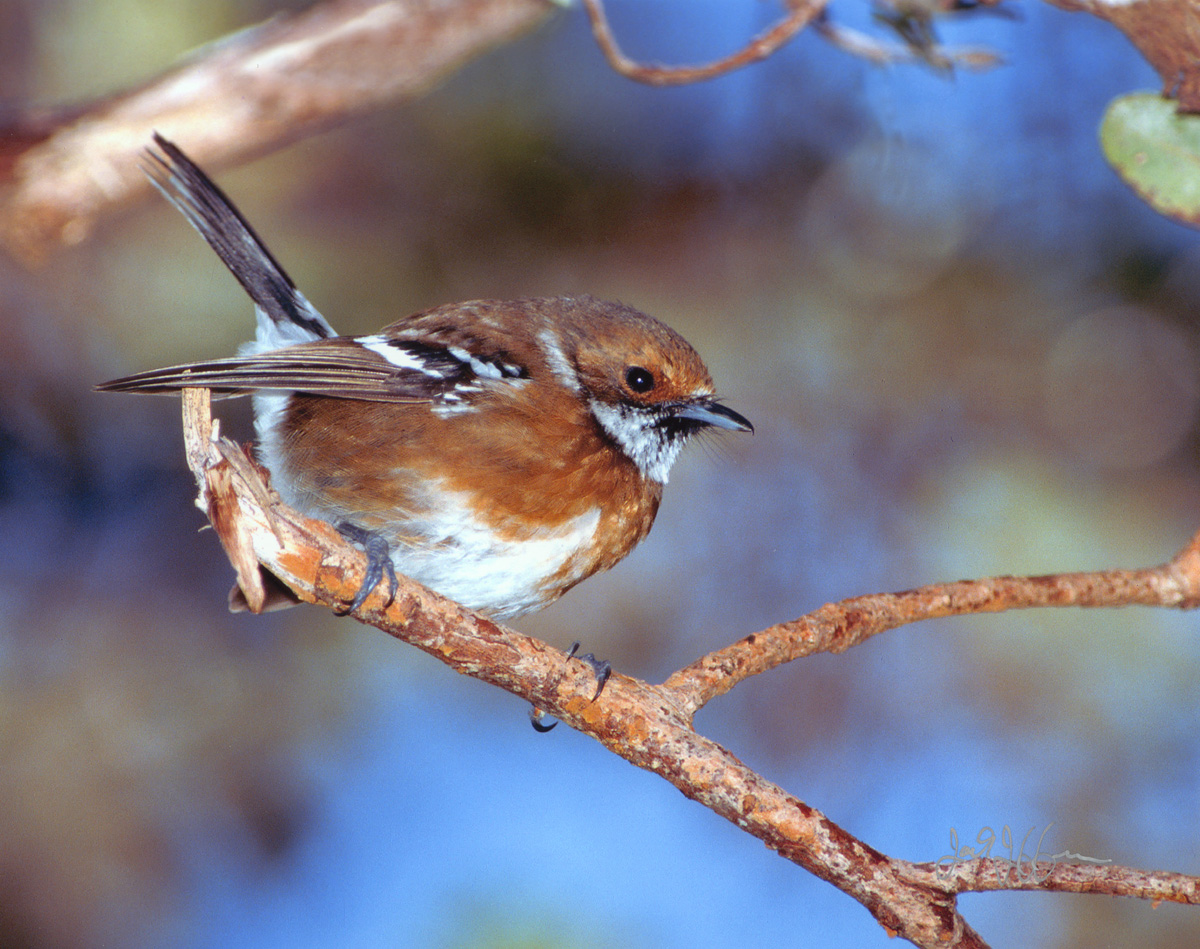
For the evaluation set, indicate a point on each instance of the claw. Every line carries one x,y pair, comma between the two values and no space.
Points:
602,668
379,563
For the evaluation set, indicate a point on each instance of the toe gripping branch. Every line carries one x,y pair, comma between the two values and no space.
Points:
601,668
379,563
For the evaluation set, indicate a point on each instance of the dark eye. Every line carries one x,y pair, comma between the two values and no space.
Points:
638,379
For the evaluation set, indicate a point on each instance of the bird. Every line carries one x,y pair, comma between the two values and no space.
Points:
497,451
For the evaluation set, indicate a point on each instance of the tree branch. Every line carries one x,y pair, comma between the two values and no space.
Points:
651,725
801,13
1165,32
836,627
243,96
879,52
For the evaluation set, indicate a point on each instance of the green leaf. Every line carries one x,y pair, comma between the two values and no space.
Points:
1156,151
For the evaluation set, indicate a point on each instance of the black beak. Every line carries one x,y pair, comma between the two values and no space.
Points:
714,414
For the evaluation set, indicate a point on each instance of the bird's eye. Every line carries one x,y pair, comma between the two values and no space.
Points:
638,379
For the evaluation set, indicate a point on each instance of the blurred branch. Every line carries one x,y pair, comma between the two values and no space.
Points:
801,13
881,53
651,725
910,19
299,73
240,97
1165,32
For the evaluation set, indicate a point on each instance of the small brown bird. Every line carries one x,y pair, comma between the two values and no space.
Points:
498,452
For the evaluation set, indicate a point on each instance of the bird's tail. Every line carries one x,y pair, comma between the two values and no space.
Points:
285,317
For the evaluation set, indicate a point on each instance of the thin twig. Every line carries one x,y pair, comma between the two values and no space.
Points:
801,13
836,627
879,52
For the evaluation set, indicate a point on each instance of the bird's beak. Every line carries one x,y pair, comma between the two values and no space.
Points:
715,414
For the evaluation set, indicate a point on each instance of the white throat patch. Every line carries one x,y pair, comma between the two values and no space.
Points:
633,428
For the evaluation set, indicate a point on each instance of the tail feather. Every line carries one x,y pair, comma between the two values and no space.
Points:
289,317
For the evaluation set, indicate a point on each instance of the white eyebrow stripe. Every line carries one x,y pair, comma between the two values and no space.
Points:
557,359
397,354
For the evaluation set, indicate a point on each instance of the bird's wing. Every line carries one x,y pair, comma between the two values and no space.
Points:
341,367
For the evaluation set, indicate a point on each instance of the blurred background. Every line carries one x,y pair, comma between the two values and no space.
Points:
967,350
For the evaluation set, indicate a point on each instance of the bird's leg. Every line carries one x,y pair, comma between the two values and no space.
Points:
379,562
602,668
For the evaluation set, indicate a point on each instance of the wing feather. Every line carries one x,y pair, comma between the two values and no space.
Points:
339,368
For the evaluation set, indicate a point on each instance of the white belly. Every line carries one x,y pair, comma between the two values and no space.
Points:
462,559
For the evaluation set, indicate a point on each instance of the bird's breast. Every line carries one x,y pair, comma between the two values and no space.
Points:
501,514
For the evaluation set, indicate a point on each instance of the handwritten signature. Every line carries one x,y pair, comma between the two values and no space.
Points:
1026,868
